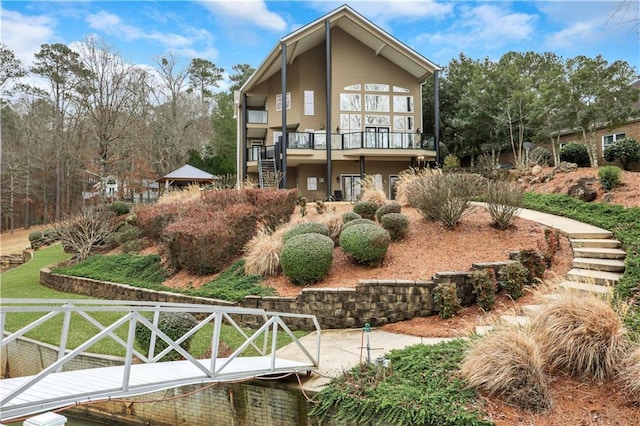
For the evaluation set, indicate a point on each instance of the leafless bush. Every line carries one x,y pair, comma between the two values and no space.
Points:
506,364
92,227
582,336
445,197
503,202
406,180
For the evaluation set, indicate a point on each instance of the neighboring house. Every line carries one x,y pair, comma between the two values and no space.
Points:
185,176
344,80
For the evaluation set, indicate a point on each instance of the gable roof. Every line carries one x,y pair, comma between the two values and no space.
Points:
369,34
187,173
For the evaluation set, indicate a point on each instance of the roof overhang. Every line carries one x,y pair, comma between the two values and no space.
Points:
363,30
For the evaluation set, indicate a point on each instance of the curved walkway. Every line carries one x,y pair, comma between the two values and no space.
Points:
344,349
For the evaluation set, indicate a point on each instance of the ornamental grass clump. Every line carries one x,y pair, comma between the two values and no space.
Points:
396,224
334,223
371,191
263,252
506,364
306,228
609,177
630,374
365,243
307,258
582,336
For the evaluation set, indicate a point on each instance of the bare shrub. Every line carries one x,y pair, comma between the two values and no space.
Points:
92,227
445,197
504,199
506,364
582,336
406,180
630,374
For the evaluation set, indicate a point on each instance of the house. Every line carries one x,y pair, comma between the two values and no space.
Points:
335,100
185,176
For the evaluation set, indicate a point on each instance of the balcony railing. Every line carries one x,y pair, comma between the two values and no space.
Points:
347,141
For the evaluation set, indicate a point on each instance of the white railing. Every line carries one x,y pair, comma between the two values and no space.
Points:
130,314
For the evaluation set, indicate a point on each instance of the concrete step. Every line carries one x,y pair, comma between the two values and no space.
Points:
599,253
578,287
531,310
609,265
515,320
598,242
593,277
594,234
481,330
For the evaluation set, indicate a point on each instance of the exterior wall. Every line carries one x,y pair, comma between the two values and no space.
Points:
631,129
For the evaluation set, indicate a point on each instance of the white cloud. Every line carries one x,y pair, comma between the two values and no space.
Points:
580,32
254,12
24,34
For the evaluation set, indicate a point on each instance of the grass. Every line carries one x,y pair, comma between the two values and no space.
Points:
423,389
23,282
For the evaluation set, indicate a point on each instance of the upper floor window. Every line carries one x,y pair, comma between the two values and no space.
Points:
403,104
376,103
350,102
357,87
399,89
609,139
279,101
376,87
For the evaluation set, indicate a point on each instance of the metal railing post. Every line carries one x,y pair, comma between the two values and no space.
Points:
129,355
64,334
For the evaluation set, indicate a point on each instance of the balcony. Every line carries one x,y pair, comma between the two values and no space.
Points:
255,116
359,140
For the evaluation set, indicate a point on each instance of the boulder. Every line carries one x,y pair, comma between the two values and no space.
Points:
537,169
583,190
565,167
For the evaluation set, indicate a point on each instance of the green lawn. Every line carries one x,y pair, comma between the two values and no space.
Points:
23,282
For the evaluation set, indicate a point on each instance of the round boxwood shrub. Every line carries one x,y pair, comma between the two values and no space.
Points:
366,209
358,222
575,152
306,228
174,325
35,236
365,243
119,208
396,224
609,177
626,150
306,258
387,208
349,216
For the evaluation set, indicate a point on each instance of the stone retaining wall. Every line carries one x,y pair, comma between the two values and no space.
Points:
376,302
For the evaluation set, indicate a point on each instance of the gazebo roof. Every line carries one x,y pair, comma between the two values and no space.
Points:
188,173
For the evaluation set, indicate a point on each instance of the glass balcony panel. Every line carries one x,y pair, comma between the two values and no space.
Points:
256,116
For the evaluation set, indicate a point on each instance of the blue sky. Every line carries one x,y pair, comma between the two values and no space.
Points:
244,31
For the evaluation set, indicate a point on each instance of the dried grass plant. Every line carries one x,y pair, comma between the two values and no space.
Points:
191,192
506,364
630,374
369,191
334,222
262,252
580,335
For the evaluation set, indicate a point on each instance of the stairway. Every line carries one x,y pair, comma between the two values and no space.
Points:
268,175
597,266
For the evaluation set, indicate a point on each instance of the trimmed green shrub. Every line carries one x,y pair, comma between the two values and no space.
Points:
349,216
387,208
119,208
365,243
484,287
609,177
396,224
35,236
626,150
366,209
306,228
513,278
357,222
174,325
451,162
307,258
575,152
446,300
